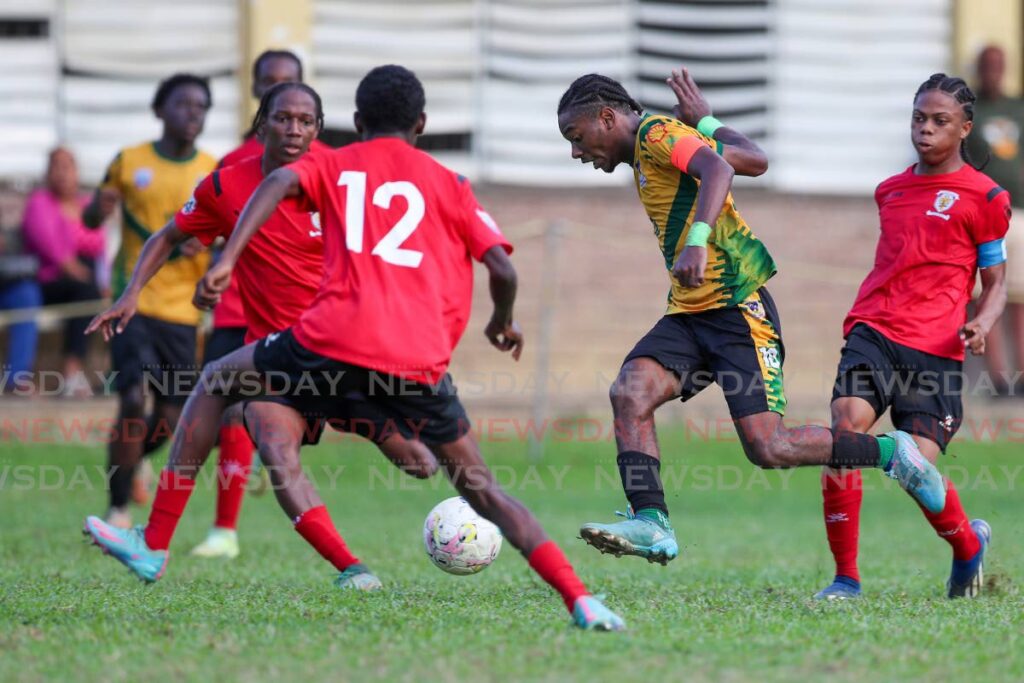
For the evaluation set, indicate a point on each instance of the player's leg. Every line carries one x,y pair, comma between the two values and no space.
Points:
234,460
474,481
930,408
279,432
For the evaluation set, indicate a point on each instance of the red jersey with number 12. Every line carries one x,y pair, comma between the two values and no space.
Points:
279,271
927,257
400,233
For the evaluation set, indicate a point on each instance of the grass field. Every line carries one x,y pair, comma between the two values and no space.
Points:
735,606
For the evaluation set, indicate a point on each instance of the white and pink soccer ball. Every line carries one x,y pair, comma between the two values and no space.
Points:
458,540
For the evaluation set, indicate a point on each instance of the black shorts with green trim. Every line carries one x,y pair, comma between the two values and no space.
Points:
737,347
923,392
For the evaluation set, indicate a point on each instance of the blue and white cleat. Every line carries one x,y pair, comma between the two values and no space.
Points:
638,536
128,546
841,588
358,577
968,577
915,474
590,614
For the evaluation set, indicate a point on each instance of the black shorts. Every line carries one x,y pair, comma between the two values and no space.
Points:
738,347
430,413
351,414
924,391
223,341
157,355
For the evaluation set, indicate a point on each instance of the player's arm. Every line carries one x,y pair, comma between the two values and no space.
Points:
502,329
105,198
695,158
153,256
281,183
745,157
990,306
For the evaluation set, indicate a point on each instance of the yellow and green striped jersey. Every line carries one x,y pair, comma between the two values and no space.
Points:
738,262
153,188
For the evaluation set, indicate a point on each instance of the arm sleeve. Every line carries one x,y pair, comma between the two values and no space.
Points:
481,232
994,218
310,173
671,143
201,216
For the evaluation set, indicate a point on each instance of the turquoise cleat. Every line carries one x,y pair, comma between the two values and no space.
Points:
358,577
638,536
968,576
915,474
842,588
128,546
590,614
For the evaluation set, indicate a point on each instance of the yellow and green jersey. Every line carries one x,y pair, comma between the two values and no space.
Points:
738,262
153,188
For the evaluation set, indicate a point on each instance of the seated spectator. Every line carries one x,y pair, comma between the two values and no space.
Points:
67,252
18,291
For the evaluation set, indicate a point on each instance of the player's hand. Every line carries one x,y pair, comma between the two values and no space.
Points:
113,320
973,334
205,299
107,199
692,106
213,284
505,335
191,247
689,268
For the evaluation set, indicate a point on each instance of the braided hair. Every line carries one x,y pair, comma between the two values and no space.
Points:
958,89
594,91
267,101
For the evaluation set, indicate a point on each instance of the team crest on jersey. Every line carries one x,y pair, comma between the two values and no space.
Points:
944,201
143,178
641,179
656,133
314,218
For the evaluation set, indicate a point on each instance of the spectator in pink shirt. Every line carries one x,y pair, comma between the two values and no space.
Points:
67,252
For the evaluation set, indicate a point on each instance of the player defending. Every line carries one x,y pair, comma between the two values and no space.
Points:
721,324
151,182
941,221
399,233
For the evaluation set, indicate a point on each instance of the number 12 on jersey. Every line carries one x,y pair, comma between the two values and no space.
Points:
389,248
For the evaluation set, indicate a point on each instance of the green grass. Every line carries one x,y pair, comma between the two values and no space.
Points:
735,606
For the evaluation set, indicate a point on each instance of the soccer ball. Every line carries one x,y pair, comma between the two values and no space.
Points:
458,540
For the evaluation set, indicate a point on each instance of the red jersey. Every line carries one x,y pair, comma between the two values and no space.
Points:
400,233
229,312
927,257
280,269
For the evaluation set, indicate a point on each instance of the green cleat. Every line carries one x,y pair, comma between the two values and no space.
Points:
640,536
358,577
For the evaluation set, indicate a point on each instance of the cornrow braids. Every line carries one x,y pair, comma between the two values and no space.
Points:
594,91
958,89
267,102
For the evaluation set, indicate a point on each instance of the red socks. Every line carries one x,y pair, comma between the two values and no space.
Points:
550,562
316,527
842,494
953,526
233,466
172,494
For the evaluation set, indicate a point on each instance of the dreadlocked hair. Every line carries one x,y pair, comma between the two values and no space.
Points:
958,89
267,102
594,91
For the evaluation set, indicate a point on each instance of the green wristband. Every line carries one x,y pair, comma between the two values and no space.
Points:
698,235
708,125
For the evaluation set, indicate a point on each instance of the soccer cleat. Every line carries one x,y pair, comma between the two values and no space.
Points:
842,588
638,536
219,543
915,474
590,614
128,546
358,577
968,576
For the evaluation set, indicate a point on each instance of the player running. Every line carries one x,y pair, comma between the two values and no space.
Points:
278,276
235,452
721,325
400,233
151,181
942,221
